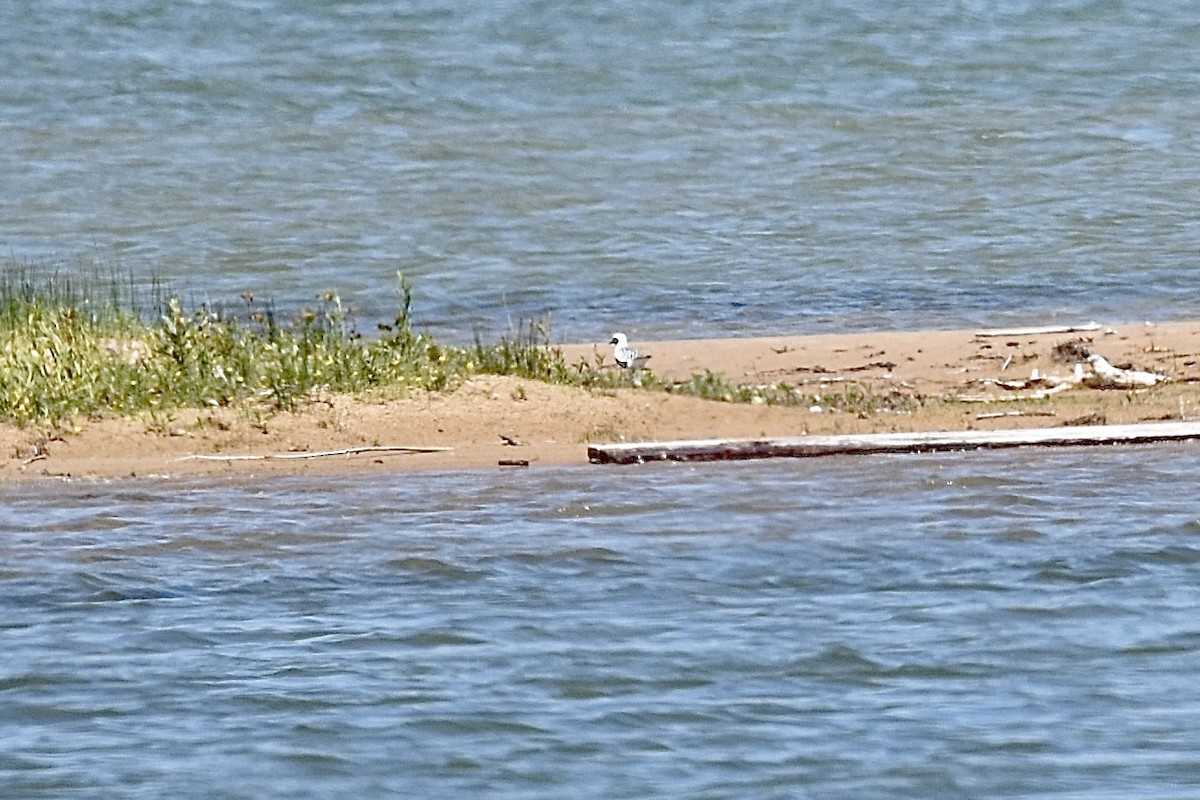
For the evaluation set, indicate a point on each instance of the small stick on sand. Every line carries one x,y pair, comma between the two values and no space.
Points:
349,451
998,414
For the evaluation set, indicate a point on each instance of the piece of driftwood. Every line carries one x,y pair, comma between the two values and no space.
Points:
999,414
860,444
1106,376
348,451
1042,331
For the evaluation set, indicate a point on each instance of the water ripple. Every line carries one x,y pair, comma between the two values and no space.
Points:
953,623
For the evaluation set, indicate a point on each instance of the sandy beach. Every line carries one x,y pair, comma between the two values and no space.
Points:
946,380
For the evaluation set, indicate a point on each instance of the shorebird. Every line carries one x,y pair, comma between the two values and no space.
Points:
626,356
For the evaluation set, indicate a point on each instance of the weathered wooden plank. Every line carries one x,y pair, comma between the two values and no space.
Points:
850,444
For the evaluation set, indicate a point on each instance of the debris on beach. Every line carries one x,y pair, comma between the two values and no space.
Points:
1090,369
1075,351
1106,376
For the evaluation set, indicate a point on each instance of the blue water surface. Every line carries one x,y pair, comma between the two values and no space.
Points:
667,169
1000,624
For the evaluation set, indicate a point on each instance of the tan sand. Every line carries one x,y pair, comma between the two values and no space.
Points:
962,380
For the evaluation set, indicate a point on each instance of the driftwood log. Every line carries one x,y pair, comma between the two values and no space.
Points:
855,444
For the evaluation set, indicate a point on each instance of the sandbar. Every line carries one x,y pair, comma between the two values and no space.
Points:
946,380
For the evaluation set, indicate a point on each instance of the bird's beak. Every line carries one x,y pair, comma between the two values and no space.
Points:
613,340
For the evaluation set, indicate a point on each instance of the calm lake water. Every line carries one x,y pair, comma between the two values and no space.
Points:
1018,624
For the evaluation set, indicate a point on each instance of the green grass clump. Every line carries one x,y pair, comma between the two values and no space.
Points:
60,351
63,354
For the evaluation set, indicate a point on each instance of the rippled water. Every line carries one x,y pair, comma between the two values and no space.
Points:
665,168
1001,624
1016,624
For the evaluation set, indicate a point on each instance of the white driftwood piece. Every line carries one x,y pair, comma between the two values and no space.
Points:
1042,331
861,444
1106,376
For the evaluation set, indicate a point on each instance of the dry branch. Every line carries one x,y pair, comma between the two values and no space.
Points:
348,451
999,414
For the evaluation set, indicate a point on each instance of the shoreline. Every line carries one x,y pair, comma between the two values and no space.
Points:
942,380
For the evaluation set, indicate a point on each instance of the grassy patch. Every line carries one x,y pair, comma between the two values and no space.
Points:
72,348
